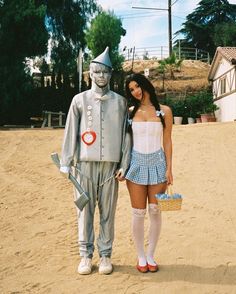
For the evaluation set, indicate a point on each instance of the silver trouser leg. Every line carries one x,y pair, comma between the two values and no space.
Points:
105,192
107,200
86,217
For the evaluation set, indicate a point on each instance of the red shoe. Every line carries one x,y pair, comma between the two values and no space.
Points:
142,269
153,268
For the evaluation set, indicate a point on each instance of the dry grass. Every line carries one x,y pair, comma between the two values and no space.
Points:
191,77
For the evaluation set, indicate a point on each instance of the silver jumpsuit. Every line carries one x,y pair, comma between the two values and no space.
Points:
97,144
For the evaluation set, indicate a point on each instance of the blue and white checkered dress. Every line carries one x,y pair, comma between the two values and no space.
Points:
147,169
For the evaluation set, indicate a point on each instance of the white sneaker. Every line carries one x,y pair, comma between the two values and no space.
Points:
105,266
85,266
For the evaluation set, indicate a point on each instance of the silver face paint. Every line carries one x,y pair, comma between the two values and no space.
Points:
100,75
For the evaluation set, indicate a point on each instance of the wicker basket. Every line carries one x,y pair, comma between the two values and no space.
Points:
170,203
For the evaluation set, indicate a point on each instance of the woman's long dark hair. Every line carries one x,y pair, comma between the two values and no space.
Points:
145,85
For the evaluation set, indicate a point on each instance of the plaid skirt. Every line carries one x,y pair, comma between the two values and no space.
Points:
147,169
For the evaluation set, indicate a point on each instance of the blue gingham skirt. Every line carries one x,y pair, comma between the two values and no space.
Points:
147,169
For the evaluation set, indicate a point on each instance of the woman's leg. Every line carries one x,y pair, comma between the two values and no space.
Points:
155,220
138,198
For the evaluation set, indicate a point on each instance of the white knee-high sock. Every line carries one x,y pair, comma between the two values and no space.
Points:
138,216
154,231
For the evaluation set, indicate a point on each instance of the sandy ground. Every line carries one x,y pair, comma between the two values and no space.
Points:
197,248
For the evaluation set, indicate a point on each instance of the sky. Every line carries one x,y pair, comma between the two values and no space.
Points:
149,28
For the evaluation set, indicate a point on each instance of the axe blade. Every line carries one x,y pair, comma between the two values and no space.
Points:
84,196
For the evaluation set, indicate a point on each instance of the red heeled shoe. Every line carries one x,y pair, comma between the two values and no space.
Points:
153,268
142,269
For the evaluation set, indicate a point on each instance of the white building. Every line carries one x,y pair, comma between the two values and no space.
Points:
223,77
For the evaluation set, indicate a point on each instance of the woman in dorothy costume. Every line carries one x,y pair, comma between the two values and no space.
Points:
150,169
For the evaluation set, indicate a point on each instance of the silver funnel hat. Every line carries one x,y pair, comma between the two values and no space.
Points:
103,58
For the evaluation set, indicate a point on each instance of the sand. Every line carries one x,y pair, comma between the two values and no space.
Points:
197,247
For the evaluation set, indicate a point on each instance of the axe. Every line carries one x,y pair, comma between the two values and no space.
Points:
84,196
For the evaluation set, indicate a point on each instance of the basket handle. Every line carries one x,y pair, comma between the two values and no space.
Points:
169,190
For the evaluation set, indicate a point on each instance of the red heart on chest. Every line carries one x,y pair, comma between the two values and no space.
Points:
89,137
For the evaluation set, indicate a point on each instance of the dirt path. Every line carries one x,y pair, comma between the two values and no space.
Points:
196,251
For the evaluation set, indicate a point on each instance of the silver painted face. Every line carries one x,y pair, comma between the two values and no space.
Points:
100,74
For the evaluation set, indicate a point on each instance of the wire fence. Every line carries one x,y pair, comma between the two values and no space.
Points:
192,53
162,52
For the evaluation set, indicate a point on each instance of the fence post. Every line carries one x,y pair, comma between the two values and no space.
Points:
196,54
60,119
133,59
208,58
49,119
179,50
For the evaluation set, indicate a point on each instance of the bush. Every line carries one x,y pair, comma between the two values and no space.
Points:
178,106
200,103
193,104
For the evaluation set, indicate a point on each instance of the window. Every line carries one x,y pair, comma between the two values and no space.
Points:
223,85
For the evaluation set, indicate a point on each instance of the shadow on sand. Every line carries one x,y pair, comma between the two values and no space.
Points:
222,274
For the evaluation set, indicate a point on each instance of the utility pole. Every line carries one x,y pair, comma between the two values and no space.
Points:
169,20
80,68
170,26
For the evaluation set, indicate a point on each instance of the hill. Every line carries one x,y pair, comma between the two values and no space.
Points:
191,77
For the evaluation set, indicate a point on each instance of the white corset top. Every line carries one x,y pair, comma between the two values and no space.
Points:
147,136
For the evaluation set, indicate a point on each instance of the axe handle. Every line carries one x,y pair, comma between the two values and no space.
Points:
56,160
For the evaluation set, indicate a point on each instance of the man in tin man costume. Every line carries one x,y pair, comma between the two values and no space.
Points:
96,141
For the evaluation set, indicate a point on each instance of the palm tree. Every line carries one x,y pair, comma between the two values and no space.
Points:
170,64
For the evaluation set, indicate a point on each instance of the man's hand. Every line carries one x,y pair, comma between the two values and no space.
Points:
120,175
65,171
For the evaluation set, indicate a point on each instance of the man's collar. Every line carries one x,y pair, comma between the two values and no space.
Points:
99,97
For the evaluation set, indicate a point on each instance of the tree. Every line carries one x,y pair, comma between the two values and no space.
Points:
224,34
169,64
66,22
145,55
200,28
106,30
22,34
25,26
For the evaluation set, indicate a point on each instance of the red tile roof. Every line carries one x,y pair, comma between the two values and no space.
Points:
229,53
